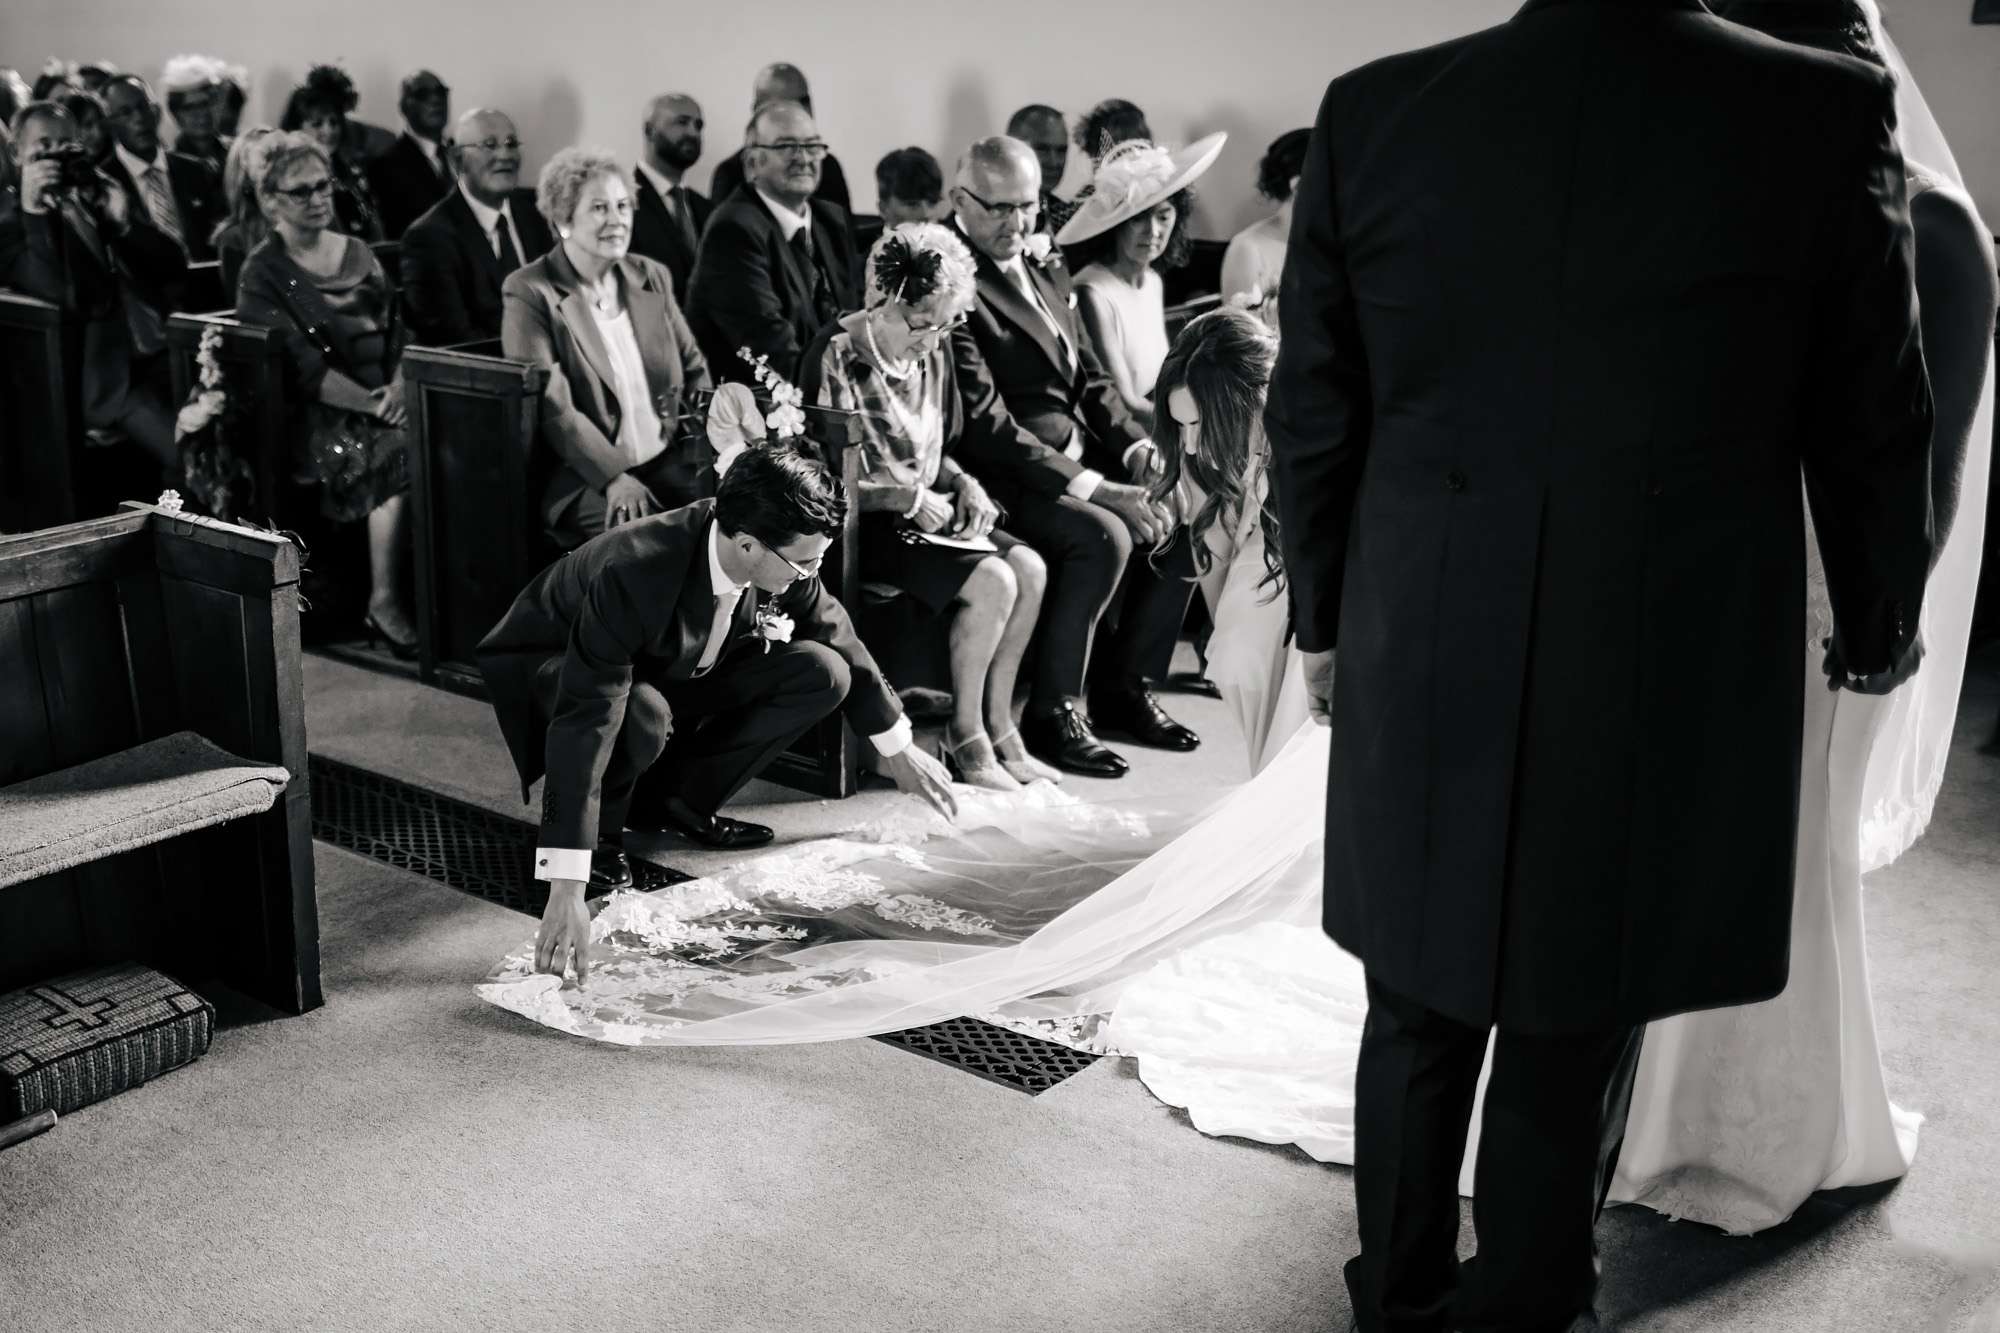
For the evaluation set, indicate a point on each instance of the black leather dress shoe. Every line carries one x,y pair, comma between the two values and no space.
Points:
677,816
1063,737
609,867
1133,712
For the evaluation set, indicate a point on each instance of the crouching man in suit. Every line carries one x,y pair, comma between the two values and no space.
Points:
654,670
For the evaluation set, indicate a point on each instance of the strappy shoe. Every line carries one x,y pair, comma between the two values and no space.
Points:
972,760
1023,767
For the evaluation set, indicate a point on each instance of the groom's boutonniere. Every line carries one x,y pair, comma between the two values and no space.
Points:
1040,248
771,625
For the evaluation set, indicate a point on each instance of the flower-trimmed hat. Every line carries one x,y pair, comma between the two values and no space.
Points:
1133,177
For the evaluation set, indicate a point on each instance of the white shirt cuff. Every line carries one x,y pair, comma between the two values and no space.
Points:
1084,484
562,863
895,740
1131,449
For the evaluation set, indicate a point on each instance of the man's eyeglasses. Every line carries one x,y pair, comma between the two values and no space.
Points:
805,571
811,150
510,143
302,194
1026,212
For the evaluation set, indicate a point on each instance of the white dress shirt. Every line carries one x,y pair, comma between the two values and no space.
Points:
489,217
574,862
1084,484
789,222
640,436
433,153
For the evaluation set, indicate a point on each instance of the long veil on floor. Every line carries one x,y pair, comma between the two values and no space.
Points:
1032,911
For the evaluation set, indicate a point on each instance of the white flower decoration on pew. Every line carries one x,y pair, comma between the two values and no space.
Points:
169,502
787,418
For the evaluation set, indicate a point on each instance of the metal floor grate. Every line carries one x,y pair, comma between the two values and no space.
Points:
996,1054
450,841
487,855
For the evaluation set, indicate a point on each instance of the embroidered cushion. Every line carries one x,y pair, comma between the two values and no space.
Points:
81,1038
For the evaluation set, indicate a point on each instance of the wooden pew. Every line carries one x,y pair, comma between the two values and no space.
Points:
253,364
121,630
473,483
41,428
202,291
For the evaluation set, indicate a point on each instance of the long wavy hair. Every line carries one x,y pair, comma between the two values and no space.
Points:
1224,359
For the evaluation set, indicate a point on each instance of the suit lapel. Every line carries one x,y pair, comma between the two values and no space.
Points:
574,308
648,309
1009,300
796,279
473,237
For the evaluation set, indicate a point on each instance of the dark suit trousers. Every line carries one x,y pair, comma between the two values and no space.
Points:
702,739
1553,1124
1144,621
1087,549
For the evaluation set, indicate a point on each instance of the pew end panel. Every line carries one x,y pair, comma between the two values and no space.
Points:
41,428
127,629
253,367
476,534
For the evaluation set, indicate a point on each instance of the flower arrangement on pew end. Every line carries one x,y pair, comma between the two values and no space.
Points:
208,429
737,419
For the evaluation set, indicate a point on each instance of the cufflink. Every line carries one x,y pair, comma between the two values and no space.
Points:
544,861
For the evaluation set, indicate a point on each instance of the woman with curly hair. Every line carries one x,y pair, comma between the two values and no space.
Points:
319,107
1131,224
1255,259
890,365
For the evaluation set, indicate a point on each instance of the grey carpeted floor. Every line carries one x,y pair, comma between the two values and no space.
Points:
411,1158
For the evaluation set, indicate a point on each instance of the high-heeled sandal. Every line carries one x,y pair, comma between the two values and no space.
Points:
1026,769
974,762
403,650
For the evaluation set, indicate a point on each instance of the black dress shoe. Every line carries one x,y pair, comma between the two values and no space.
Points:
1063,738
1191,682
609,867
677,816
1133,712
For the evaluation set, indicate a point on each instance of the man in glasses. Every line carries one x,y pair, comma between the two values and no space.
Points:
458,253
417,172
781,83
776,265
1070,465
656,669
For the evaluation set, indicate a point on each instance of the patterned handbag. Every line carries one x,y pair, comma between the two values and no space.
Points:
81,1038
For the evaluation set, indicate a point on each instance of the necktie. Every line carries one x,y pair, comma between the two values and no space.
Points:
677,204
503,245
443,164
160,202
825,308
718,629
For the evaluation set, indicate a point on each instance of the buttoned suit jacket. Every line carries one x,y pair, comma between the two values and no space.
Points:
656,235
750,289
451,277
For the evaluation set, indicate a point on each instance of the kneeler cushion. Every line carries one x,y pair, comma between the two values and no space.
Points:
81,1038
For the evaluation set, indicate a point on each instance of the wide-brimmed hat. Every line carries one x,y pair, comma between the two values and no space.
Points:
1133,177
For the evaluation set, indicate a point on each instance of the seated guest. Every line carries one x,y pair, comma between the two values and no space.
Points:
319,107
95,76
326,296
890,365
192,84
776,264
14,94
459,252
1108,124
245,226
621,357
1070,466
416,173
780,83
179,195
10,175
87,110
1255,259
1129,226
642,676
668,214
83,243
231,96
909,187
1042,129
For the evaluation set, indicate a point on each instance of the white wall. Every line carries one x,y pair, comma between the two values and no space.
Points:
936,73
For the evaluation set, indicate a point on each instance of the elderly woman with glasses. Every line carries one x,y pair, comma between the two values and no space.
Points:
328,299
927,525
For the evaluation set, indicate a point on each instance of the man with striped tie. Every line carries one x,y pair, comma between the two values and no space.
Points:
181,195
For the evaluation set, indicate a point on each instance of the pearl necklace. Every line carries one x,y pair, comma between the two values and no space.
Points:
889,372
